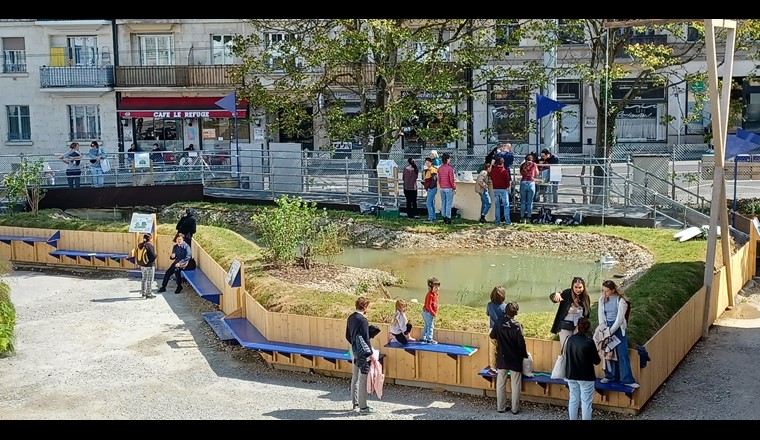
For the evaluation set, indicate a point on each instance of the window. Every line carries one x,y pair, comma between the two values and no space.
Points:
698,113
84,122
280,54
19,123
570,31
221,50
156,50
640,120
433,49
82,51
507,33
693,34
14,55
570,131
508,112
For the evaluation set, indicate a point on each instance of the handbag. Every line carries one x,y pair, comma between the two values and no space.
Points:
527,369
560,366
105,165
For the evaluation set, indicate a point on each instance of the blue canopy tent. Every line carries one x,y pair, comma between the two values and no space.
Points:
743,142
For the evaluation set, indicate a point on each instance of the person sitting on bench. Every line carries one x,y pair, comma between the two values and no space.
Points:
181,255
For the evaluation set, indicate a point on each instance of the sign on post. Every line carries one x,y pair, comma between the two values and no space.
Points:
141,223
233,275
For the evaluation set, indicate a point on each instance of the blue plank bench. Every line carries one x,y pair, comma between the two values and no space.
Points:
202,285
544,378
214,320
452,350
52,240
88,255
137,273
249,337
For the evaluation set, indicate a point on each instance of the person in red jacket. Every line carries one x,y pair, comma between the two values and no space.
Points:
500,179
429,310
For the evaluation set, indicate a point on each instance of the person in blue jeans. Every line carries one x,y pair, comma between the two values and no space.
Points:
481,187
430,183
96,155
581,355
501,180
528,173
613,305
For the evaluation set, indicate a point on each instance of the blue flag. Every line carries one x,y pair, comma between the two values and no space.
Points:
228,103
743,142
546,105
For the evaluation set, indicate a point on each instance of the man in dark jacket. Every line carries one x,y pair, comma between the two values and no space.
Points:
358,337
181,255
187,225
581,356
510,353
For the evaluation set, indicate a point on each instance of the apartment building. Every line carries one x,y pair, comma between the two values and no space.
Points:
157,81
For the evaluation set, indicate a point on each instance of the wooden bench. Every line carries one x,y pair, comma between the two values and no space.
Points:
544,378
202,285
214,320
250,337
52,240
88,255
452,350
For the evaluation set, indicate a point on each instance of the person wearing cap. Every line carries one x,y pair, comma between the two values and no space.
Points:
187,225
147,270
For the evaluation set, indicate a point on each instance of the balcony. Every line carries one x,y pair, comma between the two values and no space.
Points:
76,77
176,76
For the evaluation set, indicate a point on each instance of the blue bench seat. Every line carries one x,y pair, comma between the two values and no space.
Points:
214,320
137,273
249,337
52,240
202,285
452,350
544,378
88,255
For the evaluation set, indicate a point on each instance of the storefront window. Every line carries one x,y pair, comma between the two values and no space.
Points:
508,112
640,121
225,128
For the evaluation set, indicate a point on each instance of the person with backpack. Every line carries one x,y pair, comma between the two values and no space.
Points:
145,258
614,311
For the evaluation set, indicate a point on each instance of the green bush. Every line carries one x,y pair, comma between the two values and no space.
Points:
7,320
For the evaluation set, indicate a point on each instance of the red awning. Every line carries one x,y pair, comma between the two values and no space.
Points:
176,107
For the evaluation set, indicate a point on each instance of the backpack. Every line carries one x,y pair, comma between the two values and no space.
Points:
142,256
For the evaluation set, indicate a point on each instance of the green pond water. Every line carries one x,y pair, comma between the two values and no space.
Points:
468,278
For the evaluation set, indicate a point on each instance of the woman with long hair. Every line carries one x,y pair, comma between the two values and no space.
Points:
613,305
528,174
574,303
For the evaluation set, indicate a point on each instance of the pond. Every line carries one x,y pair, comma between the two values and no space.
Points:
467,278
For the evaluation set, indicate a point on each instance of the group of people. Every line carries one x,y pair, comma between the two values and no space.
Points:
437,174
73,160
181,256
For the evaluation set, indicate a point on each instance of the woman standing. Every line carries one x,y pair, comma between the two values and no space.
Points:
528,173
410,176
613,305
448,187
481,187
96,155
72,159
430,183
574,303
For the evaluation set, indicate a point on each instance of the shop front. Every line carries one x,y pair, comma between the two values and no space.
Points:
177,123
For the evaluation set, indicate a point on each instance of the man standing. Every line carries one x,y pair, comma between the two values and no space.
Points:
500,179
505,151
581,356
510,353
544,166
187,225
181,254
357,335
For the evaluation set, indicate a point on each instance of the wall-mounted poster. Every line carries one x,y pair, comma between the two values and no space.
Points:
209,133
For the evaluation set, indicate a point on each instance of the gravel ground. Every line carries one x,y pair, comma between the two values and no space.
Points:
93,349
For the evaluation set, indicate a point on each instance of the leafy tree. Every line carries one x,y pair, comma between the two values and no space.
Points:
389,64
25,182
296,229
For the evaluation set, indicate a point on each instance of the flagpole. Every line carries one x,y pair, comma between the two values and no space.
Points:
237,146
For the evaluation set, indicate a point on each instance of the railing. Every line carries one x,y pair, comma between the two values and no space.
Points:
84,136
176,76
76,76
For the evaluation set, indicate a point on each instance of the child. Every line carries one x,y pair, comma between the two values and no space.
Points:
400,327
495,309
429,310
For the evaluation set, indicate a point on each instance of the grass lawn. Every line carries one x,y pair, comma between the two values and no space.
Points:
676,275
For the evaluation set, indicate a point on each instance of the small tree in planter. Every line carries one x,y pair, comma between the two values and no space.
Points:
25,183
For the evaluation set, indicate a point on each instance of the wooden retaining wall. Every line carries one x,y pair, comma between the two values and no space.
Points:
666,348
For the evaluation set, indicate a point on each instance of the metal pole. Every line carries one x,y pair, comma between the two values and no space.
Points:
733,211
237,146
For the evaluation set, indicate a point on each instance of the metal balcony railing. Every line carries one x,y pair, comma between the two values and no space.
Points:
76,76
14,68
176,76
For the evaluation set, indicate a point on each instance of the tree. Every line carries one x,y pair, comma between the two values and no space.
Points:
25,182
400,70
